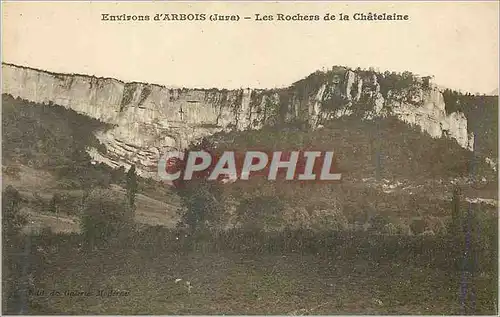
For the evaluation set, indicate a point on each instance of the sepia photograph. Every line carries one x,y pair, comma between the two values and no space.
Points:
250,158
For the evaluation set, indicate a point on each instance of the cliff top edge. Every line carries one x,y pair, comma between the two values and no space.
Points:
291,85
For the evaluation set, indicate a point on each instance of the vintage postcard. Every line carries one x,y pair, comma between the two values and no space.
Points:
250,158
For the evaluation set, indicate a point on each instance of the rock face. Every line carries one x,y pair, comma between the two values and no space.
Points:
150,119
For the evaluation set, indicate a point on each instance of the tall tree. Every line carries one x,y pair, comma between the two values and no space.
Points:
201,199
131,189
12,220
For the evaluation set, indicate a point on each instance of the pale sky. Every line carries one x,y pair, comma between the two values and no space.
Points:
457,42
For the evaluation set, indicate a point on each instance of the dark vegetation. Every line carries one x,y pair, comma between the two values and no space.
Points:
148,261
482,115
387,80
52,138
264,264
128,94
405,152
465,243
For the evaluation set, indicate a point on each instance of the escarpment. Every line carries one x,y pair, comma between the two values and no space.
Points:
150,119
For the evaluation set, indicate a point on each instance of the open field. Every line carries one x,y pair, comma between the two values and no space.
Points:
248,283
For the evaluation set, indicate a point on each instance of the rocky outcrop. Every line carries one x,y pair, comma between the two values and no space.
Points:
150,119
420,104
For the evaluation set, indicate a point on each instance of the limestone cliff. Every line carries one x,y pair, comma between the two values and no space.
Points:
150,119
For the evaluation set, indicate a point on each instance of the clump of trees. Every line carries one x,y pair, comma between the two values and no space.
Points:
103,220
456,101
201,200
395,81
107,216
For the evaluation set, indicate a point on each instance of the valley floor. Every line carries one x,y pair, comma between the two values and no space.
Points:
236,283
